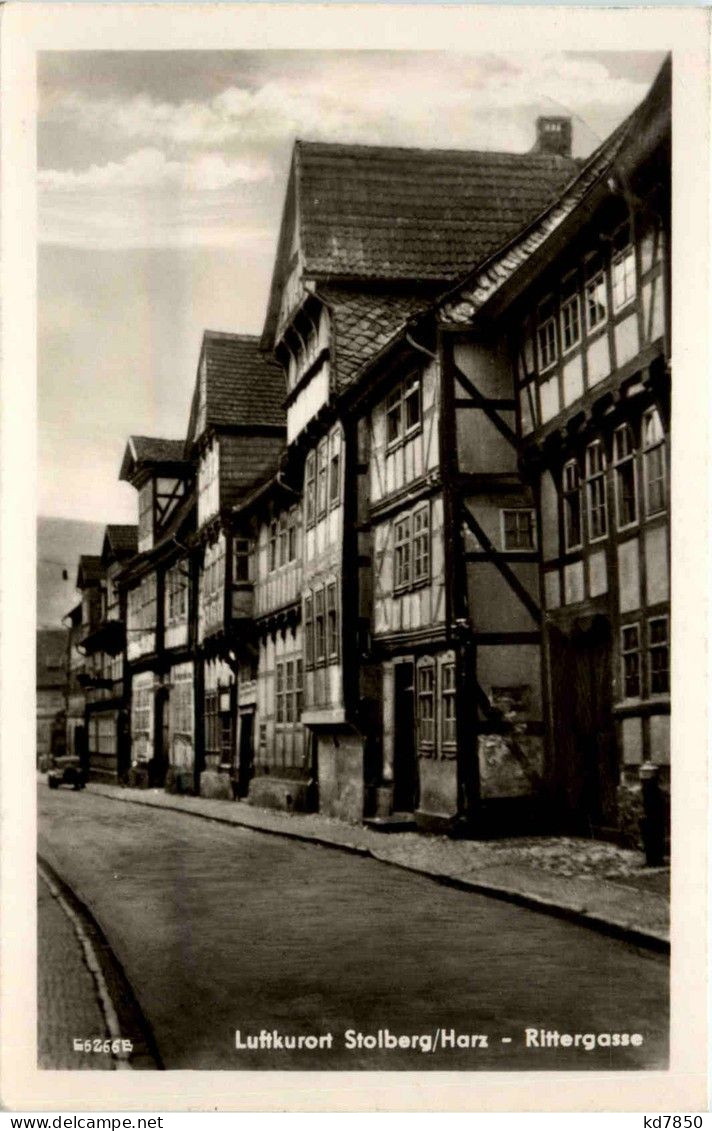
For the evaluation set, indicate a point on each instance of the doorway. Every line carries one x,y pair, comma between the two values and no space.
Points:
584,755
245,756
405,764
161,742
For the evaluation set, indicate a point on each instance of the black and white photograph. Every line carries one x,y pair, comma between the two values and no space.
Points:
355,423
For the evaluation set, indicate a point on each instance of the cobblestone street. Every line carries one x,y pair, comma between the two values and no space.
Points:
222,928
67,1003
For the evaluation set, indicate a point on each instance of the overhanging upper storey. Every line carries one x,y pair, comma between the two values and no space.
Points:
160,474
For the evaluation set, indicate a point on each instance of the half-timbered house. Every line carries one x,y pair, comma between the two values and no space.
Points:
104,646
235,437
556,354
159,643
369,236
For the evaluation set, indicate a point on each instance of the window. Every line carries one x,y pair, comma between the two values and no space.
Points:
272,549
292,537
289,712
421,544
654,462
518,529
596,297
319,633
282,541
411,403
596,490
298,685
332,626
402,553
546,337
447,698
403,409
309,630
623,277
177,593
212,741
322,458
279,693
630,652
426,705
334,468
624,463
241,562
181,701
310,488
572,506
659,655
570,319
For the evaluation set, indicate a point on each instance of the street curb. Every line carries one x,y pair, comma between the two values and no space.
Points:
636,936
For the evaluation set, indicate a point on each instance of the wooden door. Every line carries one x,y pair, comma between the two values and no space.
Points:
244,762
584,755
161,740
405,765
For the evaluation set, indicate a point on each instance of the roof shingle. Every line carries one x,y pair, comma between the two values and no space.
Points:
362,324
122,540
244,385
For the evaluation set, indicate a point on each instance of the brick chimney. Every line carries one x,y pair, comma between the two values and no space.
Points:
553,135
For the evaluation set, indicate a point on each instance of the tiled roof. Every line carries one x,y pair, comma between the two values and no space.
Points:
644,127
152,449
51,657
123,541
244,385
372,212
362,323
90,569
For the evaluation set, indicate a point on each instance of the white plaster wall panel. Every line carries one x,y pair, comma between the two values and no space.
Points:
573,583
597,574
573,379
549,397
598,360
628,576
308,402
657,573
549,501
632,735
552,589
660,739
627,342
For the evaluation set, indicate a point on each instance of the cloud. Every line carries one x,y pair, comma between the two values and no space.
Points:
150,168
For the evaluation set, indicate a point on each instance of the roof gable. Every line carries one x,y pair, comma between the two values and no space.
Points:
120,543
90,571
145,452
243,386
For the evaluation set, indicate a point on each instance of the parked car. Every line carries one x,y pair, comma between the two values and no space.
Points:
66,770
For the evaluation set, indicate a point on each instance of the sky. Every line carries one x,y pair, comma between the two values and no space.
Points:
161,179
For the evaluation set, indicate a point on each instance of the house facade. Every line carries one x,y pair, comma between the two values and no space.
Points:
51,685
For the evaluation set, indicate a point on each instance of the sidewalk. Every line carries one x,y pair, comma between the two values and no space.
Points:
590,882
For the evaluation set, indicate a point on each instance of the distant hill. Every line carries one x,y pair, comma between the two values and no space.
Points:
60,542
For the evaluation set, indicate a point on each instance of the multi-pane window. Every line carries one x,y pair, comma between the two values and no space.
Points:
658,655
546,336
518,529
402,553
241,559
624,464
272,546
447,705
654,462
322,454
283,542
319,627
570,316
309,629
280,705
596,490
572,505
177,593
289,703
298,689
332,628
623,277
310,488
426,705
596,296
292,537
212,731
334,468
181,700
403,409
421,544
630,653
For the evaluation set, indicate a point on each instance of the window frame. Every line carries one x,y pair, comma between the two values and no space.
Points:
408,389
595,277
332,621
427,739
595,480
504,511
319,627
334,470
447,702
546,319
309,641
623,254
322,473
633,651
310,489
402,553
570,299
567,493
625,464
658,647
420,553
648,449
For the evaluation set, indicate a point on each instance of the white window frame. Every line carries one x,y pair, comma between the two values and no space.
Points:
595,476
625,461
